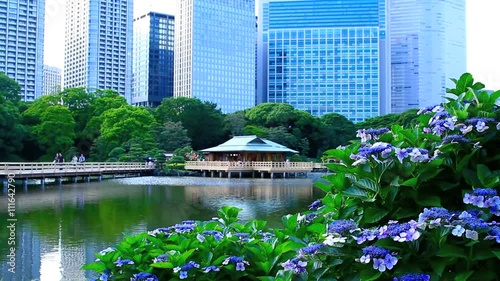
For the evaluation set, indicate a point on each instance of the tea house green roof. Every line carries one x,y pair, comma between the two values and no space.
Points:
249,144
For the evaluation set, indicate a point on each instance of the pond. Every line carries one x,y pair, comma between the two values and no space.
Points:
60,227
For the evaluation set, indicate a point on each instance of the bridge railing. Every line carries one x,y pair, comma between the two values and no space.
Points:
30,168
248,166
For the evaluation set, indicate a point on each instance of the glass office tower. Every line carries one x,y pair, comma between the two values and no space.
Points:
326,56
21,44
98,45
428,48
215,52
153,62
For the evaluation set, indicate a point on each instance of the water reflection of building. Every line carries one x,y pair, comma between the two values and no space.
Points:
27,265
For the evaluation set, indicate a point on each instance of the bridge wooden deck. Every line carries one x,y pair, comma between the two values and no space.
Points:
40,170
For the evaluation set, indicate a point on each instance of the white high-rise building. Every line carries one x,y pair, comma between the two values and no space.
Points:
51,80
214,52
21,44
98,45
428,48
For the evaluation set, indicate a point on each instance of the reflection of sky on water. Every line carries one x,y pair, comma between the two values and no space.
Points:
60,228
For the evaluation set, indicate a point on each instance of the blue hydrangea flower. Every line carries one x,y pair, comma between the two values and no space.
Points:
120,262
366,235
418,155
144,276
310,250
401,154
494,234
210,268
315,205
239,261
164,230
400,232
413,277
185,227
430,109
342,226
435,214
484,198
183,274
371,134
216,234
295,265
479,123
455,139
265,235
382,258
161,258
106,275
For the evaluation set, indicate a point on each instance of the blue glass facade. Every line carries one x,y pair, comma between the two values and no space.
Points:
21,44
215,52
326,56
153,63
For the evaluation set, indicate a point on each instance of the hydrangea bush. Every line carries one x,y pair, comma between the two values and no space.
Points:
401,204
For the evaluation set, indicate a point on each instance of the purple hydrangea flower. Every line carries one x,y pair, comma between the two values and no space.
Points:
479,123
402,153
413,277
434,214
185,227
239,261
484,198
164,230
295,265
371,134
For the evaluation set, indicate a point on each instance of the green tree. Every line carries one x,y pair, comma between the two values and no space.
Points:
337,130
13,132
383,121
271,115
282,136
55,131
235,123
261,132
121,125
408,118
171,136
203,121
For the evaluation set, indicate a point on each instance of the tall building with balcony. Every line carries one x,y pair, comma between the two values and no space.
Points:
428,48
51,80
215,52
98,45
153,59
21,44
326,56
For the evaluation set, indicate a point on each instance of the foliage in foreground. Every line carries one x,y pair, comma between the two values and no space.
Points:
403,204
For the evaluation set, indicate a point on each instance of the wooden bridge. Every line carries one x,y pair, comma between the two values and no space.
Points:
43,170
268,167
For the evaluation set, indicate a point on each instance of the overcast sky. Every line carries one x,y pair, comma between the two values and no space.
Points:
483,58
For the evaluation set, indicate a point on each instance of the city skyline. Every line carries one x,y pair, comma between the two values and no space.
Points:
480,15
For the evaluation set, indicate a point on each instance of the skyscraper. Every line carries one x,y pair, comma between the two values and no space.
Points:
51,80
98,45
428,48
215,52
153,63
21,44
326,56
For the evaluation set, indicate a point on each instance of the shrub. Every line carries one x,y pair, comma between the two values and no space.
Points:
402,204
